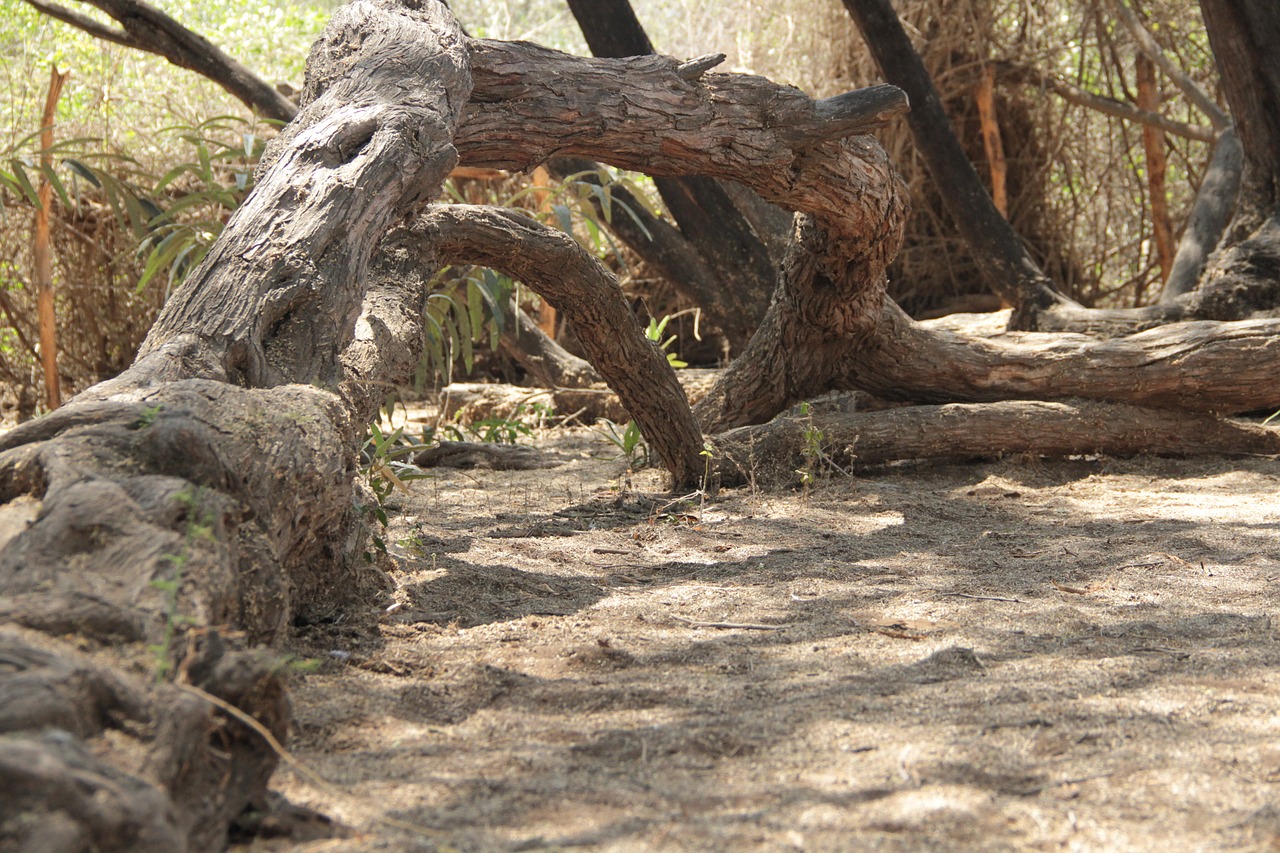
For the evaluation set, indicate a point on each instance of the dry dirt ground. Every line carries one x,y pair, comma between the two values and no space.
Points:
1012,655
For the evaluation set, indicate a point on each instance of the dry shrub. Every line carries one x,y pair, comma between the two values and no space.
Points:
101,320
1076,178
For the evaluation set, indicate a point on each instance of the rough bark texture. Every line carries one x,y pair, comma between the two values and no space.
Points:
211,484
201,502
1201,366
1244,35
728,244
775,452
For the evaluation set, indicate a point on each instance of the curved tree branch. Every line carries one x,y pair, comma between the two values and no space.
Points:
583,290
1108,106
146,28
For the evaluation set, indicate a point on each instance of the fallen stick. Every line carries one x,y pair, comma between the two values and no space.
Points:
744,626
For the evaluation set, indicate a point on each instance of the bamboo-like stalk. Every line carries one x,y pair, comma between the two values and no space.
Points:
985,97
1157,166
43,257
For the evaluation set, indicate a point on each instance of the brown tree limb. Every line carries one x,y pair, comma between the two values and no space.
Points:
1081,97
144,27
735,311
583,291
1243,35
1195,366
1003,261
776,451
1157,166
985,98
42,257
732,248
548,363
1152,50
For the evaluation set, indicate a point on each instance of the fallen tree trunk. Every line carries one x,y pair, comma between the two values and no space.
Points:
839,442
201,502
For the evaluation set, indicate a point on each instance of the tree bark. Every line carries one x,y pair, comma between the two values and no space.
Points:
729,246
1244,35
211,484
583,290
201,502
775,453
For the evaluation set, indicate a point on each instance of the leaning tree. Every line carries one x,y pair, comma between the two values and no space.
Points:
161,531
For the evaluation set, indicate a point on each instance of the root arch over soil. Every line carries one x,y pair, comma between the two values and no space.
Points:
201,504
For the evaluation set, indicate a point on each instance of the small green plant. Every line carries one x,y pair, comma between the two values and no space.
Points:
654,332
810,449
199,528
149,415
385,471
628,439
522,421
817,461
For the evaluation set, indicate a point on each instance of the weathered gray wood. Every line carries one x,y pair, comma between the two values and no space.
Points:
1210,214
1202,366
773,453
211,484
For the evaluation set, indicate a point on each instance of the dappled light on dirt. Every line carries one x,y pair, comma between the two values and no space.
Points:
1071,654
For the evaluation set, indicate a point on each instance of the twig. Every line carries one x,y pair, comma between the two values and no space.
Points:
729,626
298,767
982,597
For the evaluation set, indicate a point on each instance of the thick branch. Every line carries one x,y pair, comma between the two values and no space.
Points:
1002,259
532,104
583,290
713,229
1214,204
728,304
364,150
1201,366
145,27
1073,94
959,432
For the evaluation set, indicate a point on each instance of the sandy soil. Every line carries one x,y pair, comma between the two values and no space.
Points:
1015,655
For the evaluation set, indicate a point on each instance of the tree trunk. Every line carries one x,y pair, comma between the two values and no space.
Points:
1214,204
211,483
201,502
1236,284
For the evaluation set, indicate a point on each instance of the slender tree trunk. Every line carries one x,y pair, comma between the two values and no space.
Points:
41,251
1002,260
